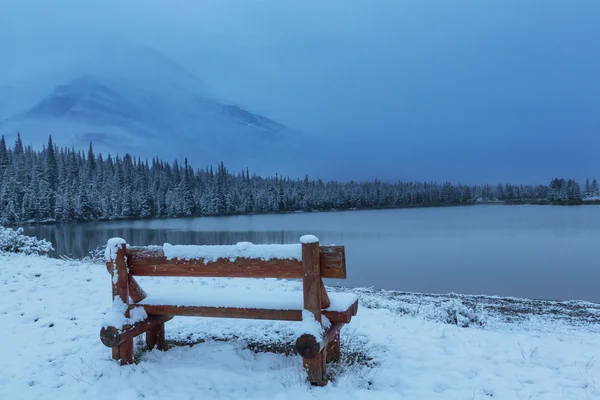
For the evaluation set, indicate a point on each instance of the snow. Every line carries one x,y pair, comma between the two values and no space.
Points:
112,246
234,297
308,239
241,250
14,241
309,326
325,322
116,315
53,311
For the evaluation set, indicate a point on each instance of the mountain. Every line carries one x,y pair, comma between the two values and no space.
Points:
144,103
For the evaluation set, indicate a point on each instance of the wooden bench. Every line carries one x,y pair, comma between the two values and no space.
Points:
135,312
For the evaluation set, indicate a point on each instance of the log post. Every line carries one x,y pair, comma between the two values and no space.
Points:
151,338
121,286
155,337
110,266
159,333
309,347
312,288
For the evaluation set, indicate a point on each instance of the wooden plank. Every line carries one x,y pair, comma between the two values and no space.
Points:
144,261
244,313
312,289
333,261
113,336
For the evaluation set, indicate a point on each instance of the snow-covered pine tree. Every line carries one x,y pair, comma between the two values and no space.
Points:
595,188
64,185
587,193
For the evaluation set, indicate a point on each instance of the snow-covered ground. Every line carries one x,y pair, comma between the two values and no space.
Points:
400,345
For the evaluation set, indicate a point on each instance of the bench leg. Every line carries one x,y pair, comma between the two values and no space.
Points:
155,337
124,352
333,349
160,337
150,339
315,368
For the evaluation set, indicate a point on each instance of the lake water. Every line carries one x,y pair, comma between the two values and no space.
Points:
543,252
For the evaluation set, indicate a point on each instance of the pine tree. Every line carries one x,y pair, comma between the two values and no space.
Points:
3,158
52,174
65,185
185,190
91,163
594,188
587,192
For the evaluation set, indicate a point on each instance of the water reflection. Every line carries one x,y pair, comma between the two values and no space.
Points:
77,240
523,251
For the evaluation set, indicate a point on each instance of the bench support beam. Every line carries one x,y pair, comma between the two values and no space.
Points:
313,297
120,288
112,336
309,347
334,348
343,316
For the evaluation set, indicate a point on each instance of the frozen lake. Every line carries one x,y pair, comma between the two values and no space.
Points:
540,252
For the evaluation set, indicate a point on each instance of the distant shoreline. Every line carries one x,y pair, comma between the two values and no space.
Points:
441,205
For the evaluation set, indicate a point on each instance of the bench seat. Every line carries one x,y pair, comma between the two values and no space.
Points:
224,303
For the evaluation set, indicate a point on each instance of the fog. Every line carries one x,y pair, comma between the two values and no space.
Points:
462,90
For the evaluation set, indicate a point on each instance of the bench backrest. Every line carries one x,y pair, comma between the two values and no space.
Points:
152,261
306,260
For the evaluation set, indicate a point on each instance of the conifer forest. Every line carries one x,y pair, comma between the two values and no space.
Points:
59,184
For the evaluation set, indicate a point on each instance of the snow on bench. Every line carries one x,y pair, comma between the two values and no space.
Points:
208,254
224,303
228,298
306,260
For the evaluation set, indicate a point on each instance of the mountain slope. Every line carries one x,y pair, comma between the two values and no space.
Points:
160,109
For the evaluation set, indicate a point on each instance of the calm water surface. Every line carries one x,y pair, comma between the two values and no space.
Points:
523,251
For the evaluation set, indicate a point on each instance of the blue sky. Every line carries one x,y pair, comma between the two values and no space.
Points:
460,90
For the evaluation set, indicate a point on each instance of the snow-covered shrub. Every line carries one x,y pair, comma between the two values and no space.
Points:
456,313
357,364
13,241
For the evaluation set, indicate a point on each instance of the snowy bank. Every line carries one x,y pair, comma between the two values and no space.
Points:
400,345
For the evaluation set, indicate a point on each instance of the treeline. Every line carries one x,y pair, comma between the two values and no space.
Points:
61,184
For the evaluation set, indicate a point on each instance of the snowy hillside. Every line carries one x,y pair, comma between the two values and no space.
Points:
147,104
398,346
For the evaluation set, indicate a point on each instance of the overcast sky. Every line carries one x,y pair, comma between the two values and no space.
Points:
462,90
